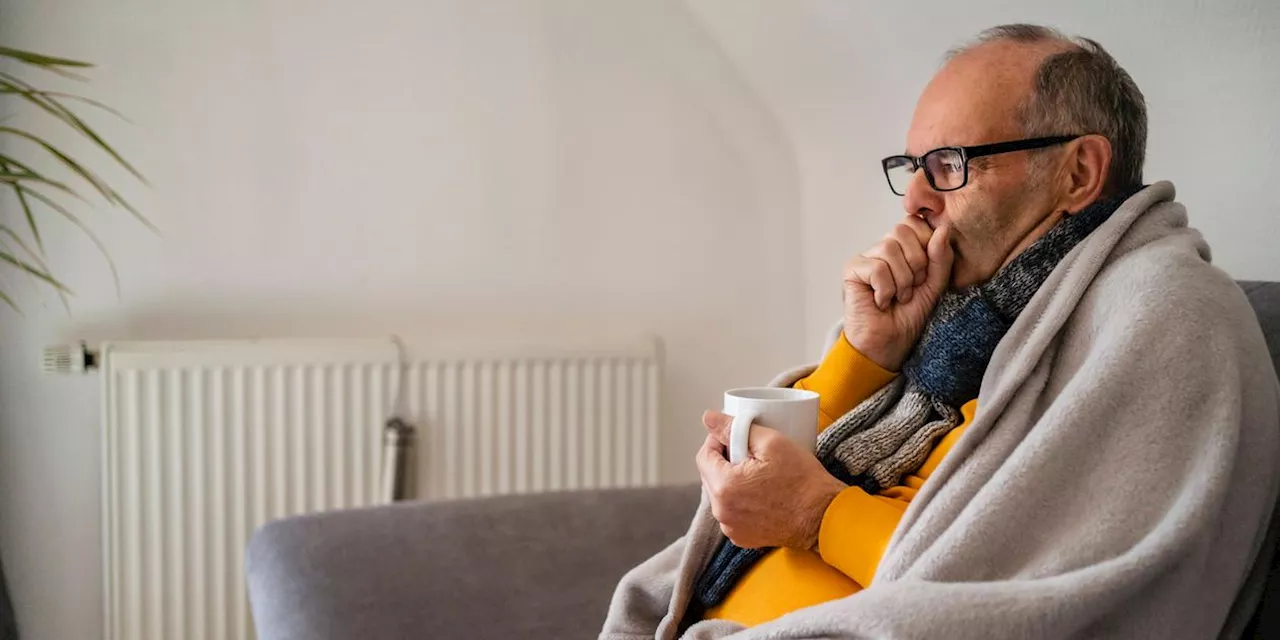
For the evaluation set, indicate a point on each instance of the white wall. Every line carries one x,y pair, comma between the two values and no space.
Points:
844,77
324,167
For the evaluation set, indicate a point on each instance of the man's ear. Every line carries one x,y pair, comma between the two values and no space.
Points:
1084,172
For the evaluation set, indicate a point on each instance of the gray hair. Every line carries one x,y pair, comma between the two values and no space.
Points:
1078,91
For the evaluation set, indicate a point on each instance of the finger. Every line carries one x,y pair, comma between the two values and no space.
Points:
709,455
712,465
914,250
894,254
875,273
921,228
763,441
941,259
718,425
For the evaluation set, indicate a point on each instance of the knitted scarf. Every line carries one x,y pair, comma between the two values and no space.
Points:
891,433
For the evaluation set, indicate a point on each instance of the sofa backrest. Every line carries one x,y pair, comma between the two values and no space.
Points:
1265,620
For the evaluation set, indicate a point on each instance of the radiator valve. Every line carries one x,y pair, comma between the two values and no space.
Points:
69,358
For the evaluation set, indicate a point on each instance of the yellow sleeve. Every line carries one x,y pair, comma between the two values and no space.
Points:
855,532
844,379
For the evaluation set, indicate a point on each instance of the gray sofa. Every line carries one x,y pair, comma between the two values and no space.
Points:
515,567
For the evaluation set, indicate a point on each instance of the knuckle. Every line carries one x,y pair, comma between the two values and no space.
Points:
719,494
852,267
726,517
880,271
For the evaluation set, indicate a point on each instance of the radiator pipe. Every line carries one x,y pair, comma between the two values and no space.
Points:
398,444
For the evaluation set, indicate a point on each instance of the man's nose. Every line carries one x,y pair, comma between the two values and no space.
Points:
921,198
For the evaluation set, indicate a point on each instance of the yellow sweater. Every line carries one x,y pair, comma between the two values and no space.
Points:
856,526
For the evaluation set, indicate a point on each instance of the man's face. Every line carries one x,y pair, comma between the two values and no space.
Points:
974,100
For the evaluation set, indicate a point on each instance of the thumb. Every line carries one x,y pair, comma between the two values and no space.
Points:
941,257
717,425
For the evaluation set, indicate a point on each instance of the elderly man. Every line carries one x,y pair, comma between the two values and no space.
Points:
1044,414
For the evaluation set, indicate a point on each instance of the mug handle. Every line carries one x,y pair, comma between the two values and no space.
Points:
739,434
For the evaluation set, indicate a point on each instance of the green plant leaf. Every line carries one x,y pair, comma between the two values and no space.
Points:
41,60
5,256
7,169
98,183
53,204
9,163
22,244
92,178
35,258
60,111
9,301
13,177
31,219
72,96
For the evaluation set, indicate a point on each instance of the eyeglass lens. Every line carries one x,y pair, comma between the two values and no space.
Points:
945,168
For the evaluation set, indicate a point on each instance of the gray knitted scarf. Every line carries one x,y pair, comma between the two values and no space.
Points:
891,433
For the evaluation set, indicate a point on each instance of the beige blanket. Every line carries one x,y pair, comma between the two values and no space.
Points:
1114,483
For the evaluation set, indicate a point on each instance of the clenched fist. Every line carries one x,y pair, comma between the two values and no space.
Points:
892,288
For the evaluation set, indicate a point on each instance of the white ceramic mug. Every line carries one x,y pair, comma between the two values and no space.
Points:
794,412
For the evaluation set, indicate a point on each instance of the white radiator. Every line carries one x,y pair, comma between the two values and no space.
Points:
203,442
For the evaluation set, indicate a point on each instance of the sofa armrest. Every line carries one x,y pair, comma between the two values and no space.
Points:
513,566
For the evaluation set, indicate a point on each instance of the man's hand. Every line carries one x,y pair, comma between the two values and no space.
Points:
890,290
775,498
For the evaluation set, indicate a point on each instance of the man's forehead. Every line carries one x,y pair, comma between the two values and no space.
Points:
975,98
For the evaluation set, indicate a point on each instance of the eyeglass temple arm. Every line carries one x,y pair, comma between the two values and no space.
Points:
1016,145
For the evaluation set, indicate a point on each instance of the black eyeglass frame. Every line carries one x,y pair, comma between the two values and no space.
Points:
968,153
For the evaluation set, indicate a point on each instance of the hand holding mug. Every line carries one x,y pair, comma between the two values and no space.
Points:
774,492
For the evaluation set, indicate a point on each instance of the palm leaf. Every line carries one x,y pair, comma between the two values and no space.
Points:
35,258
5,256
92,178
9,301
22,244
72,96
57,109
26,175
9,163
15,178
98,183
53,64
53,204
41,60
6,163
31,219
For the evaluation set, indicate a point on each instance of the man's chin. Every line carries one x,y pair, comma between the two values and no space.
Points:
962,275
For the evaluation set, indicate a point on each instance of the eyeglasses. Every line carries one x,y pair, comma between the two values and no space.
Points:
947,168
